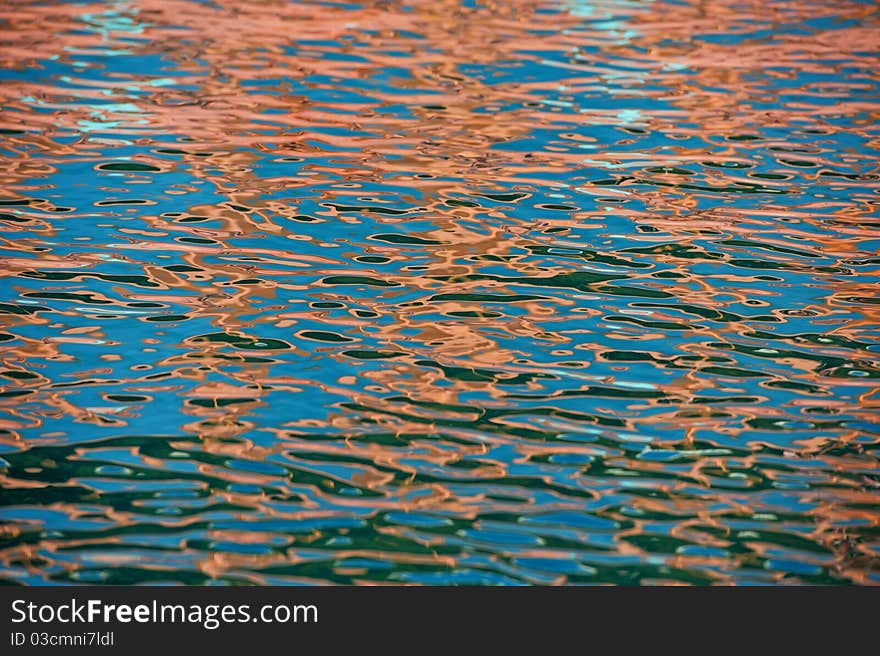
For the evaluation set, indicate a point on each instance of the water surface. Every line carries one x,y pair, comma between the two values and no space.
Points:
441,292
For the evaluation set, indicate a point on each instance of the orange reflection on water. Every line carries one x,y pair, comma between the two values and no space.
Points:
425,292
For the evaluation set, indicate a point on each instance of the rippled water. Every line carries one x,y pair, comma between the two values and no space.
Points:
440,292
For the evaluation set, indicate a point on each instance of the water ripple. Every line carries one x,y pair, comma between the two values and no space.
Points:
541,291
